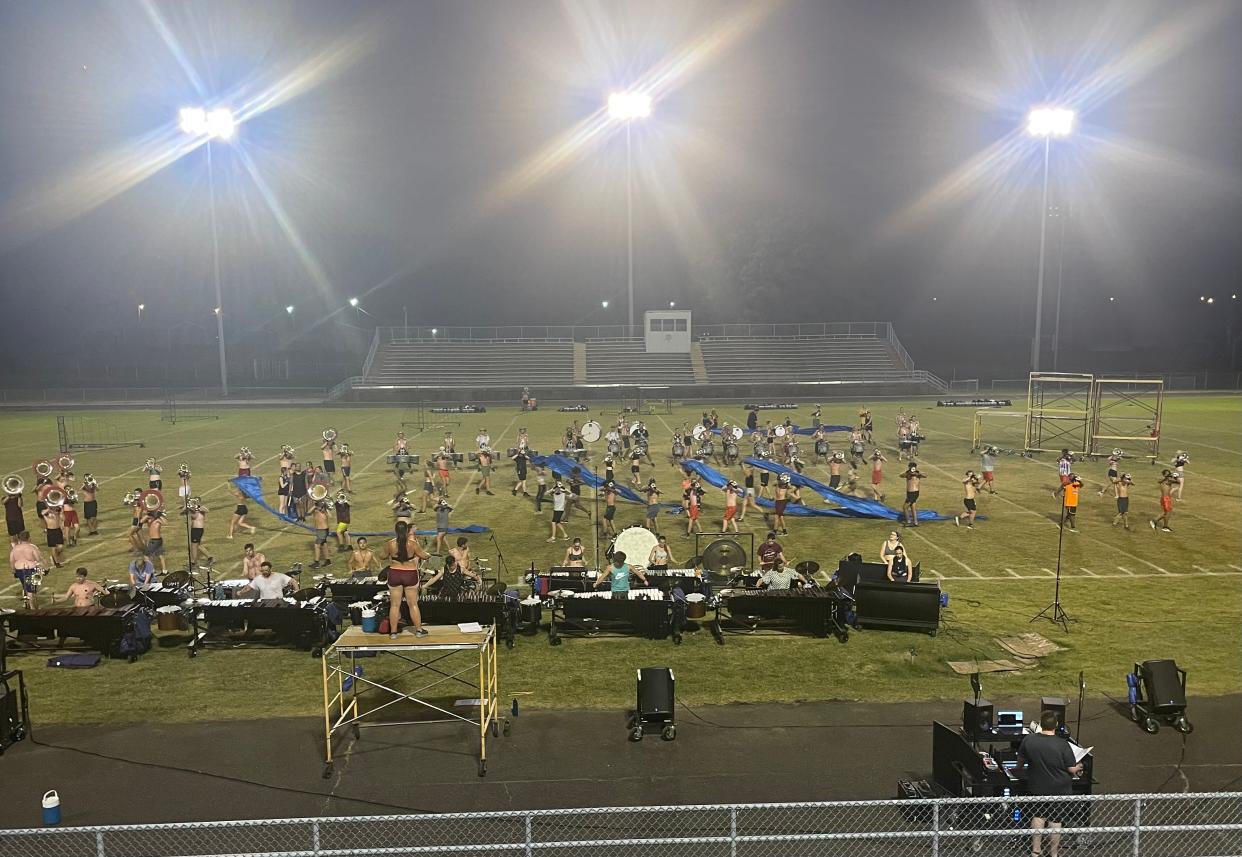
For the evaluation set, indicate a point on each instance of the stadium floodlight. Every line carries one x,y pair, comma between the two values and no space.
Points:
289,309
625,106
1045,123
1211,300
1233,297
353,302
672,304
1202,298
1050,122
434,331
604,304
216,310
217,123
1111,299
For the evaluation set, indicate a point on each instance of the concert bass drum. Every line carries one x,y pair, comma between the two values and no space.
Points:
635,542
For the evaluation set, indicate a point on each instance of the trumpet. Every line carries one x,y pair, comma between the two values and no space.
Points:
89,483
14,484
150,464
43,468
343,449
287,450
319,492
244,454
329,435
129,498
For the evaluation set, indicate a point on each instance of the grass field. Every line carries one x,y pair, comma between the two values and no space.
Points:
1134,595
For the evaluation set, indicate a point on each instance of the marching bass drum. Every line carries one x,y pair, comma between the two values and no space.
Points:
635,542
698,431
738,433
779,431
591,431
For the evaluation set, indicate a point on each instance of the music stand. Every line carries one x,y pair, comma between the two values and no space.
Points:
1054,612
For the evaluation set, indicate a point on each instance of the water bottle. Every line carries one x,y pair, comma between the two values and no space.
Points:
51,809
514,708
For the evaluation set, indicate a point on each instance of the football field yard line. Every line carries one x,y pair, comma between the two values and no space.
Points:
1088,571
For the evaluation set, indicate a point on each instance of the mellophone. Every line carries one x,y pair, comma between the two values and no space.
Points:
99,628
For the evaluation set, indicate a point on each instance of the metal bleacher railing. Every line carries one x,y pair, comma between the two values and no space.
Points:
582,333
1169,825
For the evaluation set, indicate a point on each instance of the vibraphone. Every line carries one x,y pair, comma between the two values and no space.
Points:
644,611
817,610
299,623
668,579
481,607
99,628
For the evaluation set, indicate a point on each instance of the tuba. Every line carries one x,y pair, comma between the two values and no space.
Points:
319,492
54,498
152,500
329,435
65,462
14,484
43,468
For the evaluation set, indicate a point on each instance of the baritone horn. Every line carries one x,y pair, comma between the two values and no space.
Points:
319,492
54,498
65,462
329,435
43,468
14,484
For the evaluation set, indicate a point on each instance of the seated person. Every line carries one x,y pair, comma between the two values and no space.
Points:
269,586
454,579
362,560
899,565
779,577
142,573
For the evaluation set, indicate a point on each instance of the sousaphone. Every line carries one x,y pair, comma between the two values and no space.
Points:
152,500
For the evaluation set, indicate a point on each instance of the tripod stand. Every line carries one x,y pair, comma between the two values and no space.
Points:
1054,612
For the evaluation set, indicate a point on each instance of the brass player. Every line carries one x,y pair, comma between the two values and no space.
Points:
346,455
1168,481
909,508
1123,500
90,504
970,490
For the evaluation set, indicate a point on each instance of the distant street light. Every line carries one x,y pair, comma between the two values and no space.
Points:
626,107
1045,122
672,304
353,302
216,310
289,309
141,307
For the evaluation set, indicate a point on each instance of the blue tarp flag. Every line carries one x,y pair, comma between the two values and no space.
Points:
793,510
561,466
857,507
252,487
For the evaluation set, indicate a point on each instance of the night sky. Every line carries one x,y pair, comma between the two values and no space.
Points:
805,161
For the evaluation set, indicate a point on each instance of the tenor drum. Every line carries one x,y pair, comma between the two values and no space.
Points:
614,447
679,449
635,542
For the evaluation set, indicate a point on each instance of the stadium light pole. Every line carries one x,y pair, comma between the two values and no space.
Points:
212,124
626,107
1046,123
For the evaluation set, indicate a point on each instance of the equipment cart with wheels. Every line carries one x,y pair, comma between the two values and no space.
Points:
1157,691
656,703
351,697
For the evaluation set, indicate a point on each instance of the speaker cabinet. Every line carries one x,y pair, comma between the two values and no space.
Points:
978,719
1056,705
1163,686
655,692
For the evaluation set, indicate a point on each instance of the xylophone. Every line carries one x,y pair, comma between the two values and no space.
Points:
354,589
300,623
643,611
481,607
98,628
819,611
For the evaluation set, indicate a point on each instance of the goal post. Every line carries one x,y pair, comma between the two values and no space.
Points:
1005,430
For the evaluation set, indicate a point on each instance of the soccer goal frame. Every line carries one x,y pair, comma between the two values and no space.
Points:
981,437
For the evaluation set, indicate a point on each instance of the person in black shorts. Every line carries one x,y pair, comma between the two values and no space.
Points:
1046,761
14,520
329,460
610,506
240,511
298,494
520,462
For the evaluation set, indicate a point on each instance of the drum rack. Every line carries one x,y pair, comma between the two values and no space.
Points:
344,687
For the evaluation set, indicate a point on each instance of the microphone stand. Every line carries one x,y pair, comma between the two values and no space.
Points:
1082,691
977,687
500,557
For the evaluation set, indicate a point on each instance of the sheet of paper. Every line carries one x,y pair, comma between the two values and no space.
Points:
469,627
1080,753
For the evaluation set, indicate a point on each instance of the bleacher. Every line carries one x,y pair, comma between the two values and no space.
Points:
621,361
797,358
477,363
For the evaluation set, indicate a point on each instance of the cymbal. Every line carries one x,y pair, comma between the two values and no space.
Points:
305,594
807,567
177,579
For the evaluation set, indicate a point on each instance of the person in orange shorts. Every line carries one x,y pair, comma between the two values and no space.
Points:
1070,492
1167,481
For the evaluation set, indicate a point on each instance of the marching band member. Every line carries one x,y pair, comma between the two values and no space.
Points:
14,518
240,511
559,502
636,456
1112,473
135,523
541,490
142,573
287,459
867,424
443,511
69,511
463,559
153,471
877,474
610,506
970,490
661,556
402,511
1065,466
748,493
913,481
298,491
429,487
90,504
834,469
268,587
575,555
730,507
653,506
857,449
916,436
450,446
899,566
521,460
779,577
53,525
362,560
484,459
155,537
770,552
347,459
820,441
319,547
284,486
1123,501
1167,483
443,459
987,464
889,546
903,440
618,575
252,560
1179,468
817,417
328,448
83,590
782,502
610,474
198,525
344,514
244,460
25,560
483,439
1071,490
693,500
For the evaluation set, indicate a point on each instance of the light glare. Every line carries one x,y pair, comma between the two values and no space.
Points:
216,123
353,302
604,304
289,309
1050,122
629,105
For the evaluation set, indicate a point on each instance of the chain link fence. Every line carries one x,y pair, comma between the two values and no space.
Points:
1181,825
